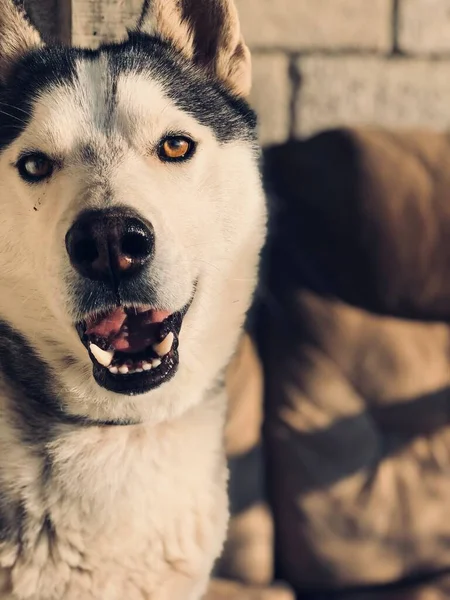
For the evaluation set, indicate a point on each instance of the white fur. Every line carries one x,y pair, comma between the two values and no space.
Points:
139,512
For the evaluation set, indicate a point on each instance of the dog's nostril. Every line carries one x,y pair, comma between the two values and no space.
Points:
85,251
136,245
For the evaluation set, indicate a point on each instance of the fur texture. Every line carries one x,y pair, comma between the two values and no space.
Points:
103,495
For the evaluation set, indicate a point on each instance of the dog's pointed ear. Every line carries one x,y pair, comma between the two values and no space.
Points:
17,35
205,31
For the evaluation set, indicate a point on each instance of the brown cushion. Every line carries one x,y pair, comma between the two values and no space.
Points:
225,590
438,589
365,215
357,358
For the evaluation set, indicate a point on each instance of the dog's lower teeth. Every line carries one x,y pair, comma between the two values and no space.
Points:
165,346
104,357
130,370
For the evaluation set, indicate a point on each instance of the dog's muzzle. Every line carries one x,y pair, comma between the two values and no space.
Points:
133,346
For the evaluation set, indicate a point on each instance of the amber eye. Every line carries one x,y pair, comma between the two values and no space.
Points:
176,148
35,167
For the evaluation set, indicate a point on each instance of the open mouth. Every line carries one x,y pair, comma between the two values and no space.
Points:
133,349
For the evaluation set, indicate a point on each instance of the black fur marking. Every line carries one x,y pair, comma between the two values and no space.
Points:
219,385
35,73
48,529
68,360
111,100
189,87
207,27
23,12
28,381
89,156
144,11
11,517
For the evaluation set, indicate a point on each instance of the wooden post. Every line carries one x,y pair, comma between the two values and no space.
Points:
97,21
85,23
51,17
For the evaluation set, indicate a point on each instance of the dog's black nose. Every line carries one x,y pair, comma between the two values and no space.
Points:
110,245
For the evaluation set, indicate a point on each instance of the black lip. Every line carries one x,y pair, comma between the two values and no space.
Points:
140,383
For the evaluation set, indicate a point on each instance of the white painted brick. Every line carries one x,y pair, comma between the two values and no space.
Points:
370,90
271,96
424,26
299,24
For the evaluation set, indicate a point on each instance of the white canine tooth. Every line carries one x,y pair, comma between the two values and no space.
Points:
113,370
165,346
104,357
146,366
156,362
139,370
123,369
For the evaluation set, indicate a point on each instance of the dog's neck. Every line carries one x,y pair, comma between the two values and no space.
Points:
98,472
109,462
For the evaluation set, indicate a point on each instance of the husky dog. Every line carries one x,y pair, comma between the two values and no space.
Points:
131,221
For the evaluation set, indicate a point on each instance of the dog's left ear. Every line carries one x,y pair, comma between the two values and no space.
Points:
17,35
205,31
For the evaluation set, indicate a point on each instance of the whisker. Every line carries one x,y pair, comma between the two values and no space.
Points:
209,264
3,112
15,107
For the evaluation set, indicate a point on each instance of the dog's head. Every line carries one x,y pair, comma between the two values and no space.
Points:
131,209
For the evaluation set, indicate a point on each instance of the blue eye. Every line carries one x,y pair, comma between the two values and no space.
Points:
35,167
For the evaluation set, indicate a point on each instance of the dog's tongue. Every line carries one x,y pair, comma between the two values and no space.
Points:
132,332
106,326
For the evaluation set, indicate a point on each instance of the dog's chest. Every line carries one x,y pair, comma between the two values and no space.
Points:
133,514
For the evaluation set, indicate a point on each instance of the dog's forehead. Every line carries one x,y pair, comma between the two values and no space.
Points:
139,80
99,104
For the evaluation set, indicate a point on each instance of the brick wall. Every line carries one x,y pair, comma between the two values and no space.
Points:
321,63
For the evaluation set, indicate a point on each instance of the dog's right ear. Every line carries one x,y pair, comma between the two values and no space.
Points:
17,35
207,32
